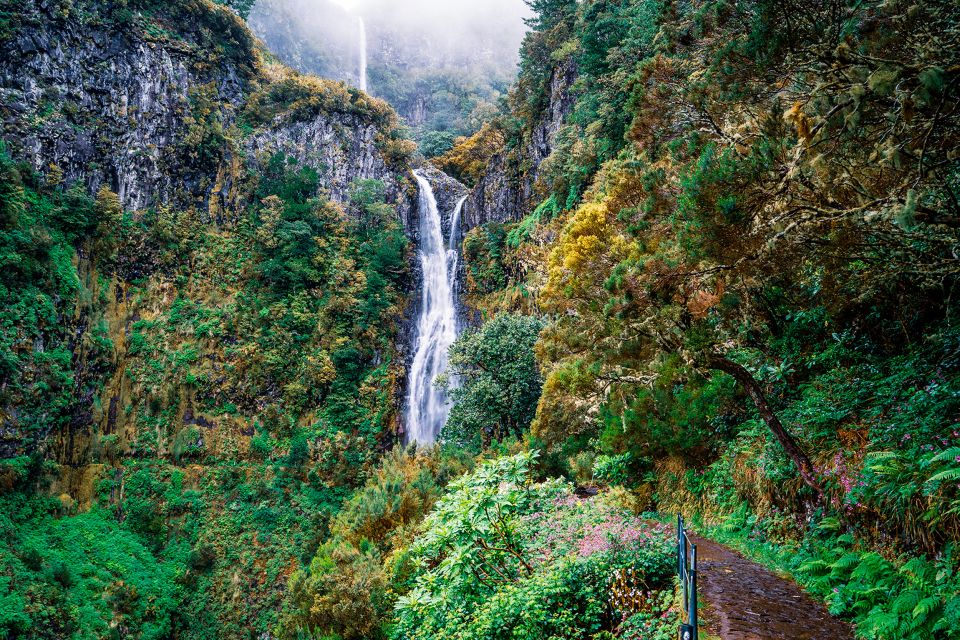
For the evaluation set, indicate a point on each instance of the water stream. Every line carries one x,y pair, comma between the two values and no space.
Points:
453,250
363,55
428,406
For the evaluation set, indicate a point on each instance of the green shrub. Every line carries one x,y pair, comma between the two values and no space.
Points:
612,470
504,557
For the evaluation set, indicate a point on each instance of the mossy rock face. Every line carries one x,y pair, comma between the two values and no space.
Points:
165,122
151,165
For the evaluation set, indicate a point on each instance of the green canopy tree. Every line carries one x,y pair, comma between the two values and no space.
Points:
499,381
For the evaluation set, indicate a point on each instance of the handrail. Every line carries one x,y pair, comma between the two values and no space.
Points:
687,571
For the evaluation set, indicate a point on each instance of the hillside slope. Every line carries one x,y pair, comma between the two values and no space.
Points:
743,238
205,267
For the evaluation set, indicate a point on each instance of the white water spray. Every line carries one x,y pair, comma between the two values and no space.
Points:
363,55
428,406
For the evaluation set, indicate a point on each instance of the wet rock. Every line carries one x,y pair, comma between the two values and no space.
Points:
341,148
448,193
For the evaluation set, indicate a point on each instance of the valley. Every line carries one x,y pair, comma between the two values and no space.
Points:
370,320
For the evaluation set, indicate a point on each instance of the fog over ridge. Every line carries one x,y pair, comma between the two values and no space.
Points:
437,15
459,30
442,63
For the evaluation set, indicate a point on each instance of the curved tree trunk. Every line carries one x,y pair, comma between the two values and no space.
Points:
784,437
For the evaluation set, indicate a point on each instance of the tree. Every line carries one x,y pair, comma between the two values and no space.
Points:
755,187
467,158
499,381
471,547
435,143
618,330
342,592
548,13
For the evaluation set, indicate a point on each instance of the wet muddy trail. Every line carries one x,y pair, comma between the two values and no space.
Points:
741,600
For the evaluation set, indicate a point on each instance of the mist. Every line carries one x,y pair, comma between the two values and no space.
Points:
443,64
467,23
429,33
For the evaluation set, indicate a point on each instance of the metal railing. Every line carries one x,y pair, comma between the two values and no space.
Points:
687,570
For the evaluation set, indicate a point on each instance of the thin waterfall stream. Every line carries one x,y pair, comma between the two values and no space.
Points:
363,54
453,250
427,405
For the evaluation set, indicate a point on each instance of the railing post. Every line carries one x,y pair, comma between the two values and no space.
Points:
693,591
680,546
687,570
682,559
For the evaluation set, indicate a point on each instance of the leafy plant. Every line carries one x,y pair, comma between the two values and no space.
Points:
487,567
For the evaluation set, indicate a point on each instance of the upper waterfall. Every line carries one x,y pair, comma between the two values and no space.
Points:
427,405
363,54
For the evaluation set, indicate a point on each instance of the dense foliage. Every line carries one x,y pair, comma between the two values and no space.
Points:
748,264
487,567
733,296
213,383
174,534
353,580
466,158
498,382
60,580
41,227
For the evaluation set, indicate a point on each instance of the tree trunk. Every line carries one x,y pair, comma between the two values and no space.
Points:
786,440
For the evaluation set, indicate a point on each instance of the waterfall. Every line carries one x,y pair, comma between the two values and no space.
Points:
428,406
453,251
363,55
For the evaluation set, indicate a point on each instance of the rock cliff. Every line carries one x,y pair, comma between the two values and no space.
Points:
175,110
508,189
136,103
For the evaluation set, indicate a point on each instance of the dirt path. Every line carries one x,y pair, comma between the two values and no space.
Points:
743,601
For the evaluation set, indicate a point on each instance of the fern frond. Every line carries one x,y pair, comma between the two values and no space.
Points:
950,455
926,608
918,570
845,564
872,568
815,567
829,524
907,601
950,475
879,456
884,624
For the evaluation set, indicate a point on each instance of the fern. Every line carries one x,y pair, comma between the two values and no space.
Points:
906,601
816,567
883,624
926,608
950,455
845,564
829,524
919,570
950,475
951,614
871,568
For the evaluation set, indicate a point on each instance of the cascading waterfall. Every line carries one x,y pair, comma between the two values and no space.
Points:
428,406
363,55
